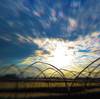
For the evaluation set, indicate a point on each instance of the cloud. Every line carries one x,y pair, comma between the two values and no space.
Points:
82,51
72,25
6,38
39,23
56,22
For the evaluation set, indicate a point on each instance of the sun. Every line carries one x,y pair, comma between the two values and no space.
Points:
61,57
56,52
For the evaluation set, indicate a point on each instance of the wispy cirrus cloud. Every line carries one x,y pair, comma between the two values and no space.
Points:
81,51
6,38
72,25
41,24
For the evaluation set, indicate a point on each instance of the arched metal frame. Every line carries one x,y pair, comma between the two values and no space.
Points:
51,66
60,72
71,72
7,68
84,70
51,74
90,73
35,68
39,70
96,74
44,71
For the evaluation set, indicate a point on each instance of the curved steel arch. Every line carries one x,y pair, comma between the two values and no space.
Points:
93,70
89,76
41,73
69,71
84,70
18,69
49,76
75,72
46,64
37,69
96,73
51,66
64,70
62,78
44,71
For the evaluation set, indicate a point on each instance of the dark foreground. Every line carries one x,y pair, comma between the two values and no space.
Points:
51,93
47,90
81,96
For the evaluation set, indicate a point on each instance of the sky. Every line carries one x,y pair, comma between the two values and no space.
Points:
64,33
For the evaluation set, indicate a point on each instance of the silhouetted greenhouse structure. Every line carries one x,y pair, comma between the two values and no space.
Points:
47,72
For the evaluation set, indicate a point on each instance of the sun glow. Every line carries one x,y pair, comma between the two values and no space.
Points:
72,55
61,57
57,52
